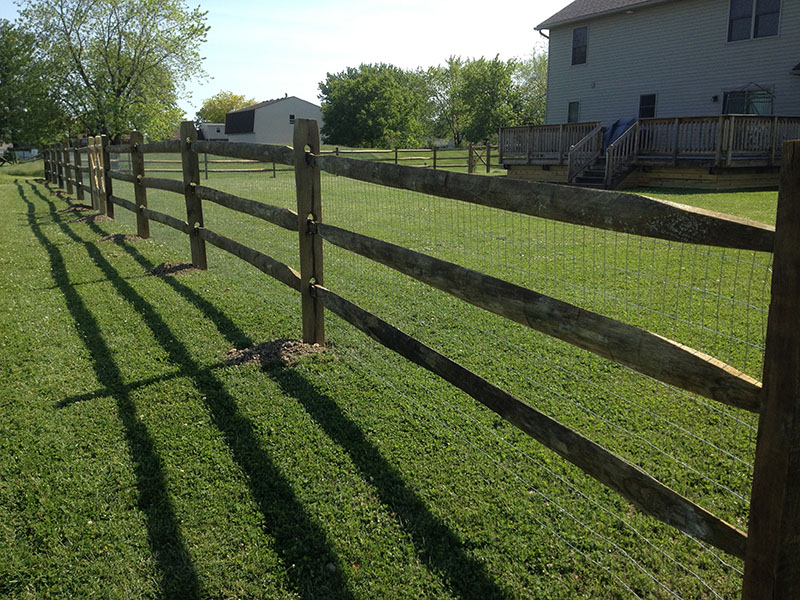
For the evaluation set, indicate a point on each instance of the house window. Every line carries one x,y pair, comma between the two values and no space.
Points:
218,130
753,19
748,102
291,119
579,41
647,106
574,112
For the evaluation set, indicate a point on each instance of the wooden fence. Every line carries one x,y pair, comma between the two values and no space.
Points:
473,158
769,548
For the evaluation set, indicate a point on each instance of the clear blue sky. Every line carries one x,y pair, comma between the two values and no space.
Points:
265,49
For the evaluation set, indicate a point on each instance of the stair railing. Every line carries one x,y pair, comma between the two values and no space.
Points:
622,154
584,153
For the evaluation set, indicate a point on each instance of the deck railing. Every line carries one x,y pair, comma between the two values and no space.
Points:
721,141
621,154
585,152
541,144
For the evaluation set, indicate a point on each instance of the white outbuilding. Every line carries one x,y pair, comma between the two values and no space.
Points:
270,122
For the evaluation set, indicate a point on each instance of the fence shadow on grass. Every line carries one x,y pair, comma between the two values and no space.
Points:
298,539
439,548
178,578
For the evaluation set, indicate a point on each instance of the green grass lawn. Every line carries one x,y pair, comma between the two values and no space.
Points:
136,464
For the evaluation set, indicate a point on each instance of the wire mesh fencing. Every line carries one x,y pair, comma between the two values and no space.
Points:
710,299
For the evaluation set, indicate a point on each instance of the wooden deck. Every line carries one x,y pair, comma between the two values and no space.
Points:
727,141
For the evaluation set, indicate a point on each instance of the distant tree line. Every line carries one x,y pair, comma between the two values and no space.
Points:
381,105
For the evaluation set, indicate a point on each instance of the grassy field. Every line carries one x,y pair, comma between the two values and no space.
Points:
137,464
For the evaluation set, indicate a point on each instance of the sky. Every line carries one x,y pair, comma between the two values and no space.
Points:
265,49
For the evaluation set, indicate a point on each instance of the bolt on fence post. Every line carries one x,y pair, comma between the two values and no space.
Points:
139,191
194,208
106,205
309,207
76,159
772,561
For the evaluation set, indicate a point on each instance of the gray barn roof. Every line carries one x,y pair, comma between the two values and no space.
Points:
586,9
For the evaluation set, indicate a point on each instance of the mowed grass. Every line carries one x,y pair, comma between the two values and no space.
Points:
136,464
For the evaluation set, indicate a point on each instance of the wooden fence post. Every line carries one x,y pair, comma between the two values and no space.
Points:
92,171
59,165
309,207
46,162
76,159
434,157
139,191
104,167
194,208
772,563
488,157
68,173
471,158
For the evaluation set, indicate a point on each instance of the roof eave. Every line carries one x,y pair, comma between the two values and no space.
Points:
547,24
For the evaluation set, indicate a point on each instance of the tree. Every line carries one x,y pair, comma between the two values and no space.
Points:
450,114
122,64
374,106
29,113
487,92
530,83
220,104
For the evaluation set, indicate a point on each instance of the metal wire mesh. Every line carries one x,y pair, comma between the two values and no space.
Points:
711,299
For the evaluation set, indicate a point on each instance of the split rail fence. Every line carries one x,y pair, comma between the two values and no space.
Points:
473,158
769,547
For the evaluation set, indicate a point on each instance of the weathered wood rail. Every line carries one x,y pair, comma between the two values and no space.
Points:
768,548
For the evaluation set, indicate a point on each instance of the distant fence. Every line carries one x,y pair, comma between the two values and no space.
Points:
473,158
768,548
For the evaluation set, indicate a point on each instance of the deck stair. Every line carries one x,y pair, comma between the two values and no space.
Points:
593,176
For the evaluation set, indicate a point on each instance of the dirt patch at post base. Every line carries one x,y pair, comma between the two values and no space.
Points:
92,219
283,352
173,268
76,208
119,238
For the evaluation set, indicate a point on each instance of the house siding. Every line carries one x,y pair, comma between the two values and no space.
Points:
271,123
677,50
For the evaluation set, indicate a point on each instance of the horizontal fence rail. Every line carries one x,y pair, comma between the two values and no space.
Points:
641,350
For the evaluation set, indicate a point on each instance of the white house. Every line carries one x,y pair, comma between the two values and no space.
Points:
212,131
611,59
270,122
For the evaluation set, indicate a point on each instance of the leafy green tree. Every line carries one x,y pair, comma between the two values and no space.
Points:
220,104
530,84
29,112
450,113
374,106
487,91
122,64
